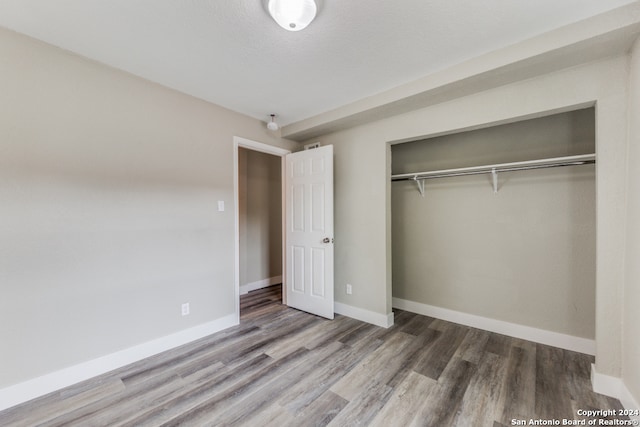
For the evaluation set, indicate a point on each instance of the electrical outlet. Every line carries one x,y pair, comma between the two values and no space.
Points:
185,309
349,289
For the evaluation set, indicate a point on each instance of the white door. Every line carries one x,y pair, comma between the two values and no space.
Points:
309,230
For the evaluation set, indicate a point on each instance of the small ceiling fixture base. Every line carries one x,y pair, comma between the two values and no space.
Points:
272,125
292,15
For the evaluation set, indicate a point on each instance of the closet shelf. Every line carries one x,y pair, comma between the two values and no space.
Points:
553,162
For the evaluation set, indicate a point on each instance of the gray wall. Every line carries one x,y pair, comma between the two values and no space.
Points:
525,255
260,216
108,221
631,341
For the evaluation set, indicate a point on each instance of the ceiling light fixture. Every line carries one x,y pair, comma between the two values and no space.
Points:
293,15
272,125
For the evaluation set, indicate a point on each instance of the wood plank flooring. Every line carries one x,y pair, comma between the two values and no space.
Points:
283,367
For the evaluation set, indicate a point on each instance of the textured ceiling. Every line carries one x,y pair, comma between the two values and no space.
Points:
231,53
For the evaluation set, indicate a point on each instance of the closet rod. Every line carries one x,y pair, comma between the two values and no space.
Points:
581,159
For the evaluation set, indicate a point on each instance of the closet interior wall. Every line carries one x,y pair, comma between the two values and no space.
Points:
524,255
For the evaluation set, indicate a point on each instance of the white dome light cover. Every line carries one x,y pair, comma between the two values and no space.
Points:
293,15
272,125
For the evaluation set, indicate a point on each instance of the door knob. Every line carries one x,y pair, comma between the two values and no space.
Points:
327,240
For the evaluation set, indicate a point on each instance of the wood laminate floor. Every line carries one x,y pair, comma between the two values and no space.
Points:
283,367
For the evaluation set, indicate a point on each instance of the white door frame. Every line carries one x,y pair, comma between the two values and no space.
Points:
263,148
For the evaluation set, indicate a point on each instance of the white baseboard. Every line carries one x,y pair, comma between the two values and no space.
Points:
25,391
372,317
605,384
246,288
541,336
613,387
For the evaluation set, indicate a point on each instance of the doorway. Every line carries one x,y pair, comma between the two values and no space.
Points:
306,200
258,219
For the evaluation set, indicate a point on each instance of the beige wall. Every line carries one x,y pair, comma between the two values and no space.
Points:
109,222
363,216
631,337
260,216
524,255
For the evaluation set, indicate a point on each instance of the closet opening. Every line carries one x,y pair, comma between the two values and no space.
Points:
515,250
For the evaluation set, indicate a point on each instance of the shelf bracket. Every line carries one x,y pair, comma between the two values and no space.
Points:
420,184
494,175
